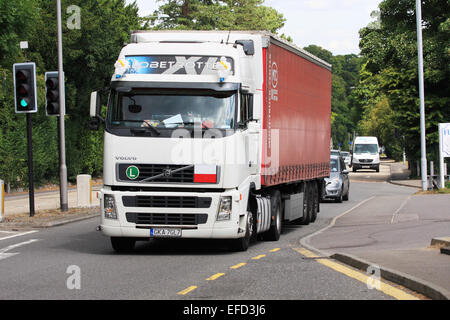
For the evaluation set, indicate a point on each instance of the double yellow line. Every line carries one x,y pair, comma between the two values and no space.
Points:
383,287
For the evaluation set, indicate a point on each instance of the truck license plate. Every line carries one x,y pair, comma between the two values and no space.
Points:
165,233
366,167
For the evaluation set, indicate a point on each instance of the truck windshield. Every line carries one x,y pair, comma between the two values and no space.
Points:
172,109
366,148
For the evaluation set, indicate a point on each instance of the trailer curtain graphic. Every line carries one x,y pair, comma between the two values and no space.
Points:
179,65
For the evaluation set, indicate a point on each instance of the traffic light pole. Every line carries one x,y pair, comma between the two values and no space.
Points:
30,165
62,108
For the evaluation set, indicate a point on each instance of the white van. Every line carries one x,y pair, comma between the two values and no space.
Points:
366,154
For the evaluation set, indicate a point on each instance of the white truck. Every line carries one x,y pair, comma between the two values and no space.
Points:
213,135
366,154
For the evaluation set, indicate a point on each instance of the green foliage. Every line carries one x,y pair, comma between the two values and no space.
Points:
391,71
345,77
89,57
17,20
217,15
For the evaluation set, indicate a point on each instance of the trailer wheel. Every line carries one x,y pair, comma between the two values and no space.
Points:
123,245
306,206
315,202
275,229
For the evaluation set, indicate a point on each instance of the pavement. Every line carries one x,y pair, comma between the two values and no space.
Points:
47,209
396,233
399,175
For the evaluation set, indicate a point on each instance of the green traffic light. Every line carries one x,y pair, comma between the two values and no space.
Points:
23,103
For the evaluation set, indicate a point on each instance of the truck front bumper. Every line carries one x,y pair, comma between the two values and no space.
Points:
209,228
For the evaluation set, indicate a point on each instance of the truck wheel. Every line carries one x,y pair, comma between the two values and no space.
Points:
315,202
378,169
242,244
123,245
306,206
275,229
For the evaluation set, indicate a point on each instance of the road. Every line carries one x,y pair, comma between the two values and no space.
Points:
44,264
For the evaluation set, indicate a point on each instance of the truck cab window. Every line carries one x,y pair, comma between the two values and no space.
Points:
246,109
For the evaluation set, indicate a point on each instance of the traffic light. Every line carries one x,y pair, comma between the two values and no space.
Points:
25,87
52,93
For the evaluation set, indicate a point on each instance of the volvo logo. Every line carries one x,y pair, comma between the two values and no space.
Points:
167,173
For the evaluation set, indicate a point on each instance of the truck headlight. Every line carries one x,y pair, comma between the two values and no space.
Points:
109,207
224,212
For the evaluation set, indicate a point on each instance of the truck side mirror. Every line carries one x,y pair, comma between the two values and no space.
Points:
95,104
94,124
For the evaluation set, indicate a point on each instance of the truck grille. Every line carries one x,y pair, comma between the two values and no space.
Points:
365,160
166,219
166,202
150,170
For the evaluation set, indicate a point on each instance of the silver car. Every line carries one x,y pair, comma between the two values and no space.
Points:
347,157
338,184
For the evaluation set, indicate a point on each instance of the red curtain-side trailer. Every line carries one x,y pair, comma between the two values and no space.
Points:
297,115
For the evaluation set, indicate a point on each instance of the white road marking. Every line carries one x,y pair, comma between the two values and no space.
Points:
17,234
5,255
305,241
398,210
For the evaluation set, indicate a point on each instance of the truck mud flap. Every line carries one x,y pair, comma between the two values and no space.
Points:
264,214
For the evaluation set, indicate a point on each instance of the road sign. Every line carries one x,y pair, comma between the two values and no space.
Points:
444,133
444,150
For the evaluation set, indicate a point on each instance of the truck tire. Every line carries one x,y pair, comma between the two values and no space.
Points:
378,169
306,206
275,229
315,202
123,245
243,243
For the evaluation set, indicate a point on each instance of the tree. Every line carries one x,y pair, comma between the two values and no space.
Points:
89,57
391,53
345,69
217,15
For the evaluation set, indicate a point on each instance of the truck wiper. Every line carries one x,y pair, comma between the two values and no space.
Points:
194,123
145,129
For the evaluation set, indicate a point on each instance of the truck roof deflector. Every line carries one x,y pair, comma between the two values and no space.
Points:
249,46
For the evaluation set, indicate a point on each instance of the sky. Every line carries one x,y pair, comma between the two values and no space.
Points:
331,24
